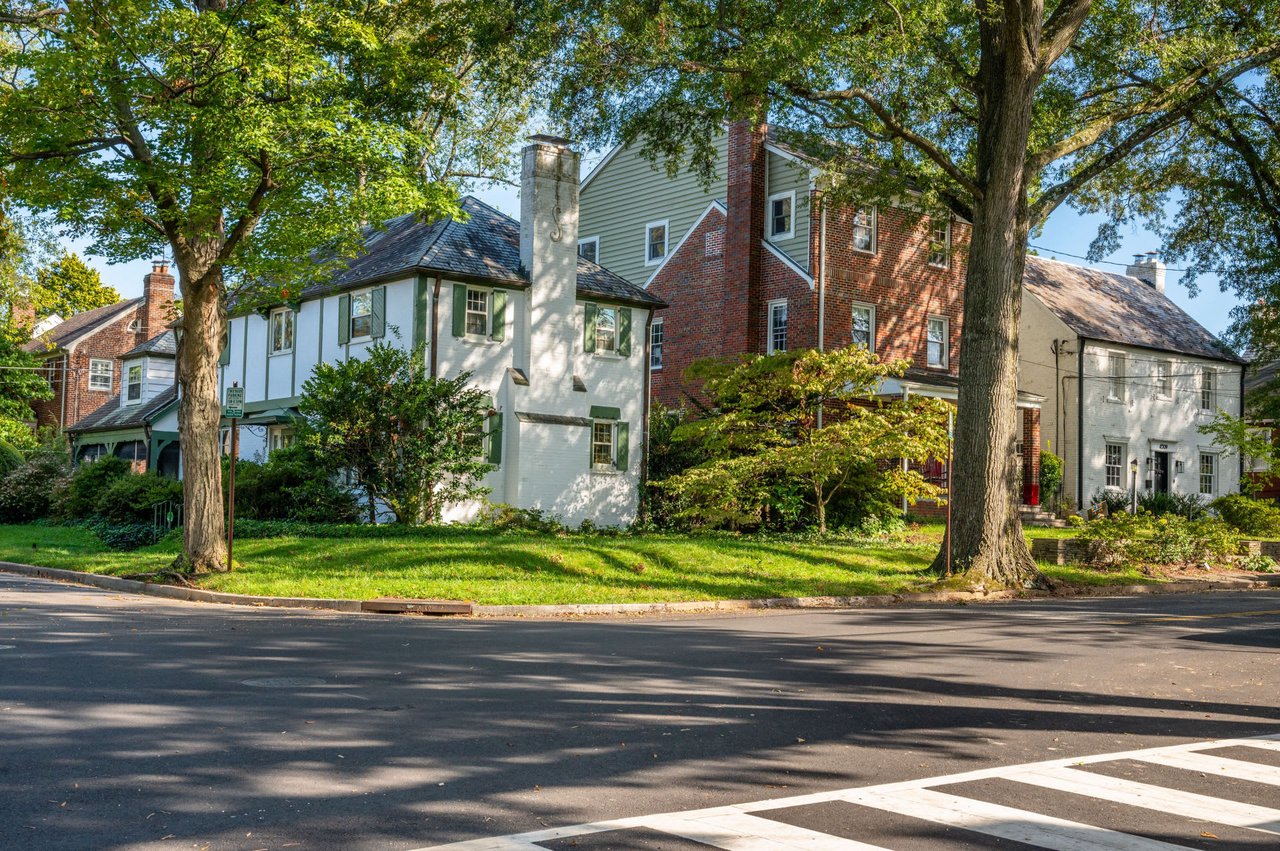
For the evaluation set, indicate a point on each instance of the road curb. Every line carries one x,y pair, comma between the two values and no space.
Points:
196,595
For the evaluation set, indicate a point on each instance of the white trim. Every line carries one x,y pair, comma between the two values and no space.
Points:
599,167
487,336
666,241
790,232
791,264
1110,377
814,171
271,318
768,319
929,248
657,322
875,231
872,308
111,375
946,342
594,240
714,205
351,317
125,382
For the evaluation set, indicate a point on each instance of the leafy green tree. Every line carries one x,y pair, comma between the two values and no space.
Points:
68,286
409,440
996,112
21,383
1240,437
811,418
236,137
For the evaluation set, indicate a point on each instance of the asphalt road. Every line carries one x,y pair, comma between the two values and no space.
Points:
130,723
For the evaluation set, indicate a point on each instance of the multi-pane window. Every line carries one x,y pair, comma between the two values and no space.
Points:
864,230
133,387
780,210
864,326
361,314
778,326
1208,390
655,241
937,341
1164,378
1115,375
590,249
1208,473
278,437
602,444
656,339
606,329
478,312
101,371
1115,465
281,330
940,245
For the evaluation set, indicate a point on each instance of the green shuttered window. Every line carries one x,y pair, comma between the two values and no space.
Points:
495,439
607,329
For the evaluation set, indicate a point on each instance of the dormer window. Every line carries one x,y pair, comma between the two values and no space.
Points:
133,384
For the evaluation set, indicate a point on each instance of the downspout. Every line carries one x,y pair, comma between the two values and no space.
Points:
62,409
1240,478
822,287
644,425
1080,425
435,315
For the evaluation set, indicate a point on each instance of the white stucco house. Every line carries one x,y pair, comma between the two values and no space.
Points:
558,342
1127,376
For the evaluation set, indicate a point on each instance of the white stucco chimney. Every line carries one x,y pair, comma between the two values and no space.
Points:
549,253
1148,267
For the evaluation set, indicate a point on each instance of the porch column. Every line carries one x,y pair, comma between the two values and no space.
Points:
1031,456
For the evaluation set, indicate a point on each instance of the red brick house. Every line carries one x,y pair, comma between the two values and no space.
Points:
756,263
81,354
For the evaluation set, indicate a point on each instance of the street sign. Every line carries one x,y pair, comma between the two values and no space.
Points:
233,404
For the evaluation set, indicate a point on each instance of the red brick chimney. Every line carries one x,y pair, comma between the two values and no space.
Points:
23,314
157,299
744,230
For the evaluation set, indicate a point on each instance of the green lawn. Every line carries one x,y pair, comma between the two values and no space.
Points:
520,567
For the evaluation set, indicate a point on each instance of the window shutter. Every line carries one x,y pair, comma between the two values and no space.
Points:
378,312
624,331
498,315
495,439
623,454
589,329
344,319
459,310
224,357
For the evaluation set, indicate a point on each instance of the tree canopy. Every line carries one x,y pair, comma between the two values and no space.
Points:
68,286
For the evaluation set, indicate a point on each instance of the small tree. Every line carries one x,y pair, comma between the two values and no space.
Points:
20,384
409,440
811,418
1237,436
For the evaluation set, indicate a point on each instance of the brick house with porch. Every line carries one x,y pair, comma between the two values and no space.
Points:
81,355
755,262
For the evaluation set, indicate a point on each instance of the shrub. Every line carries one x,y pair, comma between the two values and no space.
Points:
87,484
133,498
499,515
293,484
30,491
10,459
1109,502
1051,471
1159,503
1137,539
1259,563
1251,516
127,536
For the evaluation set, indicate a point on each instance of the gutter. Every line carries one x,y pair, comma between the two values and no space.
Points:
1080,424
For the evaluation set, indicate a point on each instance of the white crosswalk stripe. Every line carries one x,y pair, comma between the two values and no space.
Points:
744,827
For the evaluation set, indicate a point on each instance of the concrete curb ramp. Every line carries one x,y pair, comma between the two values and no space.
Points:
453,607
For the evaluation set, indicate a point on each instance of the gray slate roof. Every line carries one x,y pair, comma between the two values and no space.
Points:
485,247
115,415
1119,309
77,326
162,345
1261,376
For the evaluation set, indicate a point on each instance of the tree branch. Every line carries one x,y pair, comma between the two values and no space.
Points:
253,209
74,149
1060,31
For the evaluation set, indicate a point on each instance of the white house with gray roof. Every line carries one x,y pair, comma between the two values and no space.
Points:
1128,376
558,342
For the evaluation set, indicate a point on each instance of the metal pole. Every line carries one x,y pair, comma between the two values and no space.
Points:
231,492
950,445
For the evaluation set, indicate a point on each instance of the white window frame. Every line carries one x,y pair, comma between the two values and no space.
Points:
110,374
1215,468
665,224
1117,380
946,246
772,307
946,342
1209,390
613,445
1164,379
129,383
790,232
467,312
279,437
271,331
1123,450
351,320
871,329
595,240
656,348
601,310
873,216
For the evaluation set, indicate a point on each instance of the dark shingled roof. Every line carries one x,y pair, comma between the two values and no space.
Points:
163,345
485,247
115,416
1119,309
78,325
1261,376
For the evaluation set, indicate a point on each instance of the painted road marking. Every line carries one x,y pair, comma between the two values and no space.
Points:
1173,618
1219,765
735,828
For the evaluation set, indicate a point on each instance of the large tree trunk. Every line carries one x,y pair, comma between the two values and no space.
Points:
204,320
987,543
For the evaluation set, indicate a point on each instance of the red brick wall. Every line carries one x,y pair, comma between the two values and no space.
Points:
743,257
109,342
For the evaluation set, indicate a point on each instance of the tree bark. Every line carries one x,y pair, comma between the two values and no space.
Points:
987,542
200,419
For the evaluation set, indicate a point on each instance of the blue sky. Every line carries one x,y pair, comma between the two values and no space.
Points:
1067,233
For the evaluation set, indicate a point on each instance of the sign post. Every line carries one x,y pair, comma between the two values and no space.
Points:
233,409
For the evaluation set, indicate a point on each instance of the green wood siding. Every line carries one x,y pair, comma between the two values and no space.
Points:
786,176
630,192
